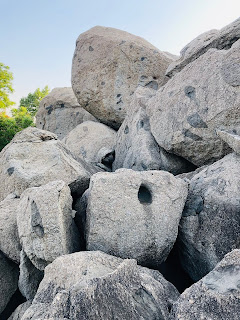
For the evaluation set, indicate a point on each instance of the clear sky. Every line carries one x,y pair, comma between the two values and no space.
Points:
37,37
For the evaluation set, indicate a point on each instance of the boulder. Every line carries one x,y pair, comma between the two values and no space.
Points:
136,147
9,240
219,39
19,312
216,296
135,214
210,224
203,97
94,285
35,157
59,112
45,223
93,142
108,65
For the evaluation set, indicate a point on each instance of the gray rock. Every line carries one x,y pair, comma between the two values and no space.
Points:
59,112
216,296
29,278
91,141
129,215
8,280
108,66
136,147
94,285
45,224
232,139
210,224
186,112
219,39
35,157
9,240
19,312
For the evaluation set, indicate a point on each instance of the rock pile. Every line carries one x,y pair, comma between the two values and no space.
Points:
89,215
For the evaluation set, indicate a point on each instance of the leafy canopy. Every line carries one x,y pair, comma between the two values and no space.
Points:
32,101
6,78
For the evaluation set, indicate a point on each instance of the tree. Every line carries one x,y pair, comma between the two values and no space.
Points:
32,101
6,78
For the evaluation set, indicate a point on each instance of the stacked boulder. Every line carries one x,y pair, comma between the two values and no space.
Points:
89,215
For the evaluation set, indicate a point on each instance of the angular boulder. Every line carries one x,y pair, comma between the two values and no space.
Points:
35,157
45,223
134,214
203,97
210,223
108,65
231,138
59,112
94,285
216,296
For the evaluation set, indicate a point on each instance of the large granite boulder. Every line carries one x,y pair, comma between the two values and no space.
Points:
93,142
136,147
35,157
135,214
59,112
210,224
108,66
9,240
203,97
219,39
216,296
94,285
45,223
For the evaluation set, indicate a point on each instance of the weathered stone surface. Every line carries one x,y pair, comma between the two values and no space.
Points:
92,142
8,280
186,112
231,138
134,214
210,224
216,296
94,285
59,112
35,157
9,240
19,312
219,39
108,66
45,224
136,147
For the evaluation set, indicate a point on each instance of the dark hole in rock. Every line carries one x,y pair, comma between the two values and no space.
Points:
154,78
118,95
49,109
102,83
14,302
62,105
143,58
10,171
126,130
91,48
190,92
144,195
109,159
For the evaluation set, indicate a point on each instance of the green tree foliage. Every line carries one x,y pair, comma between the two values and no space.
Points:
31,102
6,79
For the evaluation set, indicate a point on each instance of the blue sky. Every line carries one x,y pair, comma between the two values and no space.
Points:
38,37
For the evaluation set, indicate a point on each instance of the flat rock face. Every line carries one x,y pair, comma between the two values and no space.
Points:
216,296
210,224
219,39
203,97
59,112
35,157
134,214
136,147
108,66
231,138
45,224
9,240
92,142
94,285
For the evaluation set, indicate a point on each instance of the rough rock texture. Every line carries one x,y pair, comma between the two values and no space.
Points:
203,97
136,147
19,312
59,112
9,240
216,296
45,224
231,138
134,214
92,142
219,39
8,280
108,66
35,157
210,224
94,285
